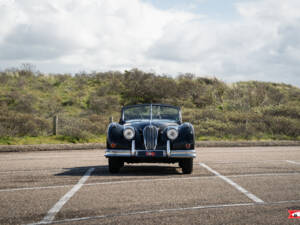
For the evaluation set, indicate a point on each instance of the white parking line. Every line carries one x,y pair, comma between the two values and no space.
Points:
235,185
39,170
265,174
149,180
234,150
293,162
165,211
34,188
29,171
57,207
243,162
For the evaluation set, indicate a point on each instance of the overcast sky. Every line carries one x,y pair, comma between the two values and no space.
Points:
232,40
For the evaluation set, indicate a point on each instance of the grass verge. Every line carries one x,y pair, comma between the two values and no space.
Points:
250,138
59,139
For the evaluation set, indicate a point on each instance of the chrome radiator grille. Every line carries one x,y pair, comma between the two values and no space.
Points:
150,134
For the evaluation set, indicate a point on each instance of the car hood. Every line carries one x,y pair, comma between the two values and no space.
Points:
139,125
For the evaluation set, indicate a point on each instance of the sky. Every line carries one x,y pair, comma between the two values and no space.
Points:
232,40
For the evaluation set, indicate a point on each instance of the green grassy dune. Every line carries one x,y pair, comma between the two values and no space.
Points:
84,102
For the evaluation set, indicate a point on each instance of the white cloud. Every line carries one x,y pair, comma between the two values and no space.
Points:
72,35
78,32
263,44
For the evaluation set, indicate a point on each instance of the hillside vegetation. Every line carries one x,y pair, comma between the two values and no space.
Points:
84,102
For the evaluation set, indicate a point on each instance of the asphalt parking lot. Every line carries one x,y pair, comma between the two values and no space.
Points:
255,185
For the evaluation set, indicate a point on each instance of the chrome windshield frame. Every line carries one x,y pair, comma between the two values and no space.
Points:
122,120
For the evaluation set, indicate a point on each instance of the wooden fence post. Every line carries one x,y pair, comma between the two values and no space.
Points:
111,119
55,125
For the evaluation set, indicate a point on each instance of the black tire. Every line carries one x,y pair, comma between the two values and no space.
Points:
114,165
180,163
186,165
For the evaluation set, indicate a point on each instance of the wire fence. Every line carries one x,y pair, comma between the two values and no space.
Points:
78,127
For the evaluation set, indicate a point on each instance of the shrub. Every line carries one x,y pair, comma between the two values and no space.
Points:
103,104
283,125
79,128
17,124
292,111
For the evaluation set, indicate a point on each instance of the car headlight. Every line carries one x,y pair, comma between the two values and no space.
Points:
172,133
129,133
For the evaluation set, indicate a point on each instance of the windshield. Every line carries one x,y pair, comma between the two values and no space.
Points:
143,112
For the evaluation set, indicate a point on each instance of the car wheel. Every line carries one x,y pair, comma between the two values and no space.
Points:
186,165
114,165
180,163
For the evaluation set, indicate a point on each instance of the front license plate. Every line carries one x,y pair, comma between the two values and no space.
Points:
151,154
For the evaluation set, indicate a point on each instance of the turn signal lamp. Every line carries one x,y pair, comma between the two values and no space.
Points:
113,145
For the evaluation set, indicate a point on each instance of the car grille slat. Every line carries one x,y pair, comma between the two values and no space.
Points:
150,134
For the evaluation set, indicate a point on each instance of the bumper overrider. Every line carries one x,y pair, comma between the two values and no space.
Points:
166,153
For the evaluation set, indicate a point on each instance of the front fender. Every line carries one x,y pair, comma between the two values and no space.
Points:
115,136
186,135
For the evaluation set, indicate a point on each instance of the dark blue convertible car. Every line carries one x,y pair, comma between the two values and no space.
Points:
150,133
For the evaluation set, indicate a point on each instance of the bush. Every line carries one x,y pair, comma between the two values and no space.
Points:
292,111
23,125
283,125
78,128
103,104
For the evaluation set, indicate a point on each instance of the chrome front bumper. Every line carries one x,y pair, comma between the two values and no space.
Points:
135,152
